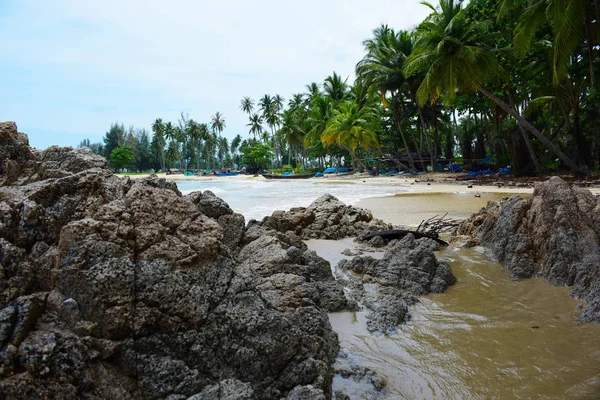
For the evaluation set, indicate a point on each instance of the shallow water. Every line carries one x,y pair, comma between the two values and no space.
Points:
256,199
486,337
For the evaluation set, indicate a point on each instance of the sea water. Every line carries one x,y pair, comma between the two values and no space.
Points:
256,199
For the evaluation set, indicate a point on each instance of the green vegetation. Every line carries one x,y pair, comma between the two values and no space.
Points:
500,79
121,157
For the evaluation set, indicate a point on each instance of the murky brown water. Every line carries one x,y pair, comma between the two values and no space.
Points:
486,337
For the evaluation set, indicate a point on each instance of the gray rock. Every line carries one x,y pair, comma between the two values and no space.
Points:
70,160
554,235
114,288
388,286
325,218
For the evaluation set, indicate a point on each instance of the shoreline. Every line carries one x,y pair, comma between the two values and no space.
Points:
432,183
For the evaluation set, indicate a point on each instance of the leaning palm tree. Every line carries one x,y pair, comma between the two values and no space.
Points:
351,127
247,105
455,55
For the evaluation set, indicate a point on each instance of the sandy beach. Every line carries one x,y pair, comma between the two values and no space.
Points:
432,183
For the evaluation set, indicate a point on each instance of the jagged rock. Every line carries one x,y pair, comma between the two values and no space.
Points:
113,288
15,154
388,286
69,160
325,218
554,235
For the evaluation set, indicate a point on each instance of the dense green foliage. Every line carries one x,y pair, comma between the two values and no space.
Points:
121,157
505,80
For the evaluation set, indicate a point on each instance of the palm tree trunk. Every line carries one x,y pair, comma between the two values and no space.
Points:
534,159
422,118
436,140
398,118
590,46
539,135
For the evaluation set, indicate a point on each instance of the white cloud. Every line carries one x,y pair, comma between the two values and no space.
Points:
140,59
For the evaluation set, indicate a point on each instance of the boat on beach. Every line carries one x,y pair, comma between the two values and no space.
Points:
228,174
295,176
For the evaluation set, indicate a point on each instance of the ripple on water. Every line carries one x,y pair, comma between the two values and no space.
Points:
486,337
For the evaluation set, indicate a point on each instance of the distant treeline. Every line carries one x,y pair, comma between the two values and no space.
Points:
509,82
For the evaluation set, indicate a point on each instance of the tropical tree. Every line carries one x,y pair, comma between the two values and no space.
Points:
255,125
570,22
158,142
335,87
259,155
121,157
320,114
217,124
115,137
456,56
381,70
313,90
247,105
351,127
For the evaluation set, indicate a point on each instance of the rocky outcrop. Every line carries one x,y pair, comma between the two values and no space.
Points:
387,286
113,288
325,218
21,164
554,235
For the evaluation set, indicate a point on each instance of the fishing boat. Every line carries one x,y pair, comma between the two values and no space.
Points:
227,174
295,176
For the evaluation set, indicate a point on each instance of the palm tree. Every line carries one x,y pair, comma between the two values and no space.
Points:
313,91
247,105
296,102
351,127
217,125
270,113
335,87
197,133
278,102
235,143
566,18
158,142
320,114
291,131
255,125
455,56
223,149
381,69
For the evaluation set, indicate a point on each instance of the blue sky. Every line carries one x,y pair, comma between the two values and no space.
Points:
68,68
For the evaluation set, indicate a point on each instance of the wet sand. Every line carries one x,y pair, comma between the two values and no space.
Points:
486,337
410,209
